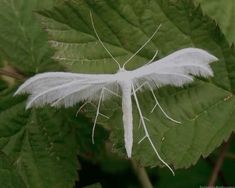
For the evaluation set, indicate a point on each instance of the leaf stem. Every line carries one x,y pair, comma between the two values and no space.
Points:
218,165
142,175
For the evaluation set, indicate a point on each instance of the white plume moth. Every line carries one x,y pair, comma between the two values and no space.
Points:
64,88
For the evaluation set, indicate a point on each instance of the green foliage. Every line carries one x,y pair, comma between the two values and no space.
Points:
3,85
41,143
23,42
39,147
1,61
223,11
97,185
195,178
9,177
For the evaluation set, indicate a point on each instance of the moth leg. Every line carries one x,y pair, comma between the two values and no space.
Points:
98,108
97,114
142,139
140,121
156,101
157,104
86,103
111,92
147,133
81,107
104,116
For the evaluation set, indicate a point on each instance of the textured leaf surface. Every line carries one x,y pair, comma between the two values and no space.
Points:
22,42
196,177
97,185
223,11
86,149
9,178
3,85
41,143
205,108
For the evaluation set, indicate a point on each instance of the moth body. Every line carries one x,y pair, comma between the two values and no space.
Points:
127,115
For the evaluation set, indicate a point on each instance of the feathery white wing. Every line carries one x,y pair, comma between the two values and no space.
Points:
175,69
61,88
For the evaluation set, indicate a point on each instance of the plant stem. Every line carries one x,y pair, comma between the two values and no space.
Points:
142,175
220,173
218,165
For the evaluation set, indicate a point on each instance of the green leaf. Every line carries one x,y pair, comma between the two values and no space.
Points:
22,41
3,85
86,149
41,143
224,14
97,185
9,178
1,61
205,107
195,177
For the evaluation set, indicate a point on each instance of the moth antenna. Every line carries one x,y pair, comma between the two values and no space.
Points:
96,33
151,60
147,133
142,46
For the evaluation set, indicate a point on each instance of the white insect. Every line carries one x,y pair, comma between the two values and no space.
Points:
64,88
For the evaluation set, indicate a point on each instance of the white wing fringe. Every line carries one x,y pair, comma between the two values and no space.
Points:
59,88
176,69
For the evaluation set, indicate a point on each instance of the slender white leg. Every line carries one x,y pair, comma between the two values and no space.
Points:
145,119
97,114
146,131
98,109
111,92
139,123
104,116
142,139
88,102
93,105
81,107
156,101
